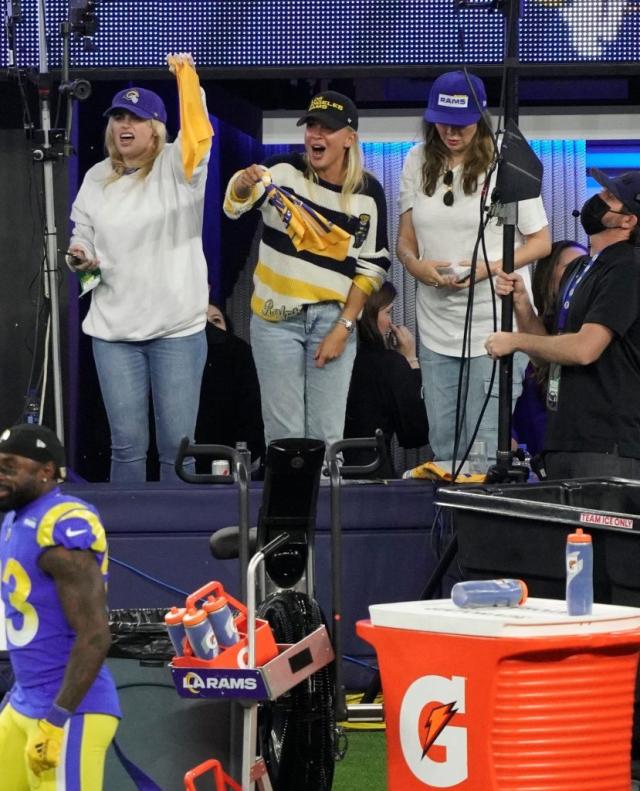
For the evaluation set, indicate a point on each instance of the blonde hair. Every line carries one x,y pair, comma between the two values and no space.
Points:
118,163
354,176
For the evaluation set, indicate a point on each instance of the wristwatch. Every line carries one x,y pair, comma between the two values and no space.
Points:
348,324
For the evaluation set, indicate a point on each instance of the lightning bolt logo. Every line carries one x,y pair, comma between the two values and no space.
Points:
438,720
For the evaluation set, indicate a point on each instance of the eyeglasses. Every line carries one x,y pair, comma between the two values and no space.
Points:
447,180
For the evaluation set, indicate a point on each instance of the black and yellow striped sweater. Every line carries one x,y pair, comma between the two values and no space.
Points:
286,279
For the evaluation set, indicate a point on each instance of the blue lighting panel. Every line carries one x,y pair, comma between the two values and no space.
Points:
580,30
317,33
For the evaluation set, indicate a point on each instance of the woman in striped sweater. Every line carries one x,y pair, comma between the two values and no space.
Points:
310,285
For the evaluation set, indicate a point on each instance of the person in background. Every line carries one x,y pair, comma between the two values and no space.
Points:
138,221
230,408
443,180
530,412
386,385
593,391
62,712
317,264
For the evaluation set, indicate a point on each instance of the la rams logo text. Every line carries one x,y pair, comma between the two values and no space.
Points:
193,682
434,748
453,100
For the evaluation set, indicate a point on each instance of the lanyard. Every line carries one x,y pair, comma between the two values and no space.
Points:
574,281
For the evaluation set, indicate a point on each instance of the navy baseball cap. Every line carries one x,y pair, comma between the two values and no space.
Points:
451,100
38,443
626,187
334,110
140,102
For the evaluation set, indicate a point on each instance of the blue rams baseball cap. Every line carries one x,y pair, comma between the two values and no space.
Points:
140,102
451,100
625,187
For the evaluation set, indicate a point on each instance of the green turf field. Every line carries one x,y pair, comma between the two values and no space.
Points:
364,765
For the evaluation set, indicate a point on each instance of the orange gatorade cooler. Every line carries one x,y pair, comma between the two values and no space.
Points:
504,698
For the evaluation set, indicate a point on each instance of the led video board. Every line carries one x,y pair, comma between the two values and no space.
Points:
332,33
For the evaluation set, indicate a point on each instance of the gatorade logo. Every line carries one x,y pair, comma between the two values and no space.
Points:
435,750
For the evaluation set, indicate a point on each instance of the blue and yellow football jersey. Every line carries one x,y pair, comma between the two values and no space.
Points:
38,634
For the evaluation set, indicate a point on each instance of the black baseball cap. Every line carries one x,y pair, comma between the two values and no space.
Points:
333,109
34,442
626,187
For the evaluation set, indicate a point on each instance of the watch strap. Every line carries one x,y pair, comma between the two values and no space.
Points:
348,324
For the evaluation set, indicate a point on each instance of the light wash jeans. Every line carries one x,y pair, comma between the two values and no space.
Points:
299,399
172,369
440,385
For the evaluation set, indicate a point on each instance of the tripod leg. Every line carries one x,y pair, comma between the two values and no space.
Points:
441,569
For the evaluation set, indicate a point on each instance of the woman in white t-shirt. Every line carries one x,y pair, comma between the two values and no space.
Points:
138,226
440,194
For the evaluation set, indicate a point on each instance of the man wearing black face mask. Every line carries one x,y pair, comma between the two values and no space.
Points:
593,395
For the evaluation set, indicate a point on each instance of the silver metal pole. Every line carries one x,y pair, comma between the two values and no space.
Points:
51,241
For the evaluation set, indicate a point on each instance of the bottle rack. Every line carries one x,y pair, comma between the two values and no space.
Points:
274,669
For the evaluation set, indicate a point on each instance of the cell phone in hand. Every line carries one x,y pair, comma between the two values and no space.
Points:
460,272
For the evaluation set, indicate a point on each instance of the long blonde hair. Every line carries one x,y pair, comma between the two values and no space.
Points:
117,162
436,155
354,177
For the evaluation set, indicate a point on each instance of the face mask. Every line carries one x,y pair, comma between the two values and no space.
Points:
592,213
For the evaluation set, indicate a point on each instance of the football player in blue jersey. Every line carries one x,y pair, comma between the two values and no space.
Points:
62,712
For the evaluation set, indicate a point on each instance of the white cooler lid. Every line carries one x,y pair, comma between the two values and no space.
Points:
535,618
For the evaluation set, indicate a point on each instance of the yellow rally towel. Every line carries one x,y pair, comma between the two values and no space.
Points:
195,128
308,229
432,472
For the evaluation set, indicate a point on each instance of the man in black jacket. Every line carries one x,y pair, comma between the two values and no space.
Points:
593,396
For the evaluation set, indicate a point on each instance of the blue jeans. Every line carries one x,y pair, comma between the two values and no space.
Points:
172,369
299,399
440,384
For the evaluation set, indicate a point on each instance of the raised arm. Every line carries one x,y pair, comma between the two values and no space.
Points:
245,187
196,131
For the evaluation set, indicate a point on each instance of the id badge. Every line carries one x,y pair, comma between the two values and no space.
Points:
553,387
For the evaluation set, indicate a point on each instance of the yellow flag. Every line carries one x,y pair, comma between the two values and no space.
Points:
195,128
308,229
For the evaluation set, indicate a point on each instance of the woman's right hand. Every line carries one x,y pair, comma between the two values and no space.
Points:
176,58
405,342
77,258
247,179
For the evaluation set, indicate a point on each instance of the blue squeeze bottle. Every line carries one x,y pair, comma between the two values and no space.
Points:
579,557
221,619
489,593
175,627
200,634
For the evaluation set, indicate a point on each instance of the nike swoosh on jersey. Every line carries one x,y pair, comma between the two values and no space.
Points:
71,533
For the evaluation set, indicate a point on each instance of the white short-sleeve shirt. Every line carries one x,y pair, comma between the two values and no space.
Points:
448,233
